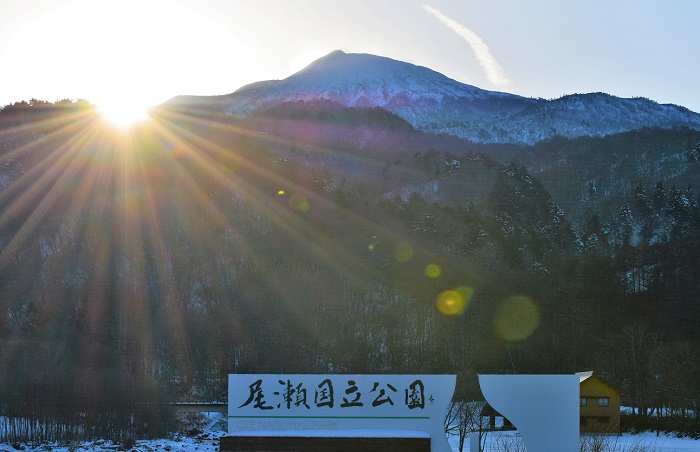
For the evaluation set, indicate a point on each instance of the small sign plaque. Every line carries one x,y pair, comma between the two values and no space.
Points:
341,405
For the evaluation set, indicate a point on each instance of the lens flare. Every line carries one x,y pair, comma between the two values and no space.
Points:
517,318
403,252
432,270
304,206
467,293
450,302
299,202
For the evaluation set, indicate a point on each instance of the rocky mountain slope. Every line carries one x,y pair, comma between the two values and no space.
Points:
435,103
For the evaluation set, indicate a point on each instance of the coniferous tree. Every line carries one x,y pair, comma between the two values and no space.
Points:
659,200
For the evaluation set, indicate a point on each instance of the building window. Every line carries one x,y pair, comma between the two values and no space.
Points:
584,401
604,420
604,401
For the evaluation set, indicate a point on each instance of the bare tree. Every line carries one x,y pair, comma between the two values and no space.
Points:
640,344
463,418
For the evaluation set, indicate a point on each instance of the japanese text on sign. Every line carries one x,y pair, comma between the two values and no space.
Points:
288,394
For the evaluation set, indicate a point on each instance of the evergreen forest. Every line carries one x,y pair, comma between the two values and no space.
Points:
140,267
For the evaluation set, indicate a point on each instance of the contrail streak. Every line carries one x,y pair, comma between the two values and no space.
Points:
494,71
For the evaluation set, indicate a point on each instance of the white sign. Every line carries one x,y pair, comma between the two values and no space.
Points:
544,408
409,403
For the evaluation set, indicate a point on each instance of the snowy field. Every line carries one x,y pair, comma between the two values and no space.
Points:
629,443
206,439
202,437
645,442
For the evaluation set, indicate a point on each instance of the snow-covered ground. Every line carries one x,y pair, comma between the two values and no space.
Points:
205,438
661,443
644,442
202,436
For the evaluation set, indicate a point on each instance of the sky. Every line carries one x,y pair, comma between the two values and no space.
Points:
143,52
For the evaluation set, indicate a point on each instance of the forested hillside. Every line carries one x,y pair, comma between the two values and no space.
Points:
143,266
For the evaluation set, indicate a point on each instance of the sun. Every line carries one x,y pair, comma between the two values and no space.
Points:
126,56
124,105
122,114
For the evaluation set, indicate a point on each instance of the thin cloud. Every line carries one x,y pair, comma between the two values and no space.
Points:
494,71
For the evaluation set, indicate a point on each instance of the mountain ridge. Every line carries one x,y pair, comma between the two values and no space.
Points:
433,102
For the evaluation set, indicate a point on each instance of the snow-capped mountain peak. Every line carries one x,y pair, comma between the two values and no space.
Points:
435,103
363,80
369,76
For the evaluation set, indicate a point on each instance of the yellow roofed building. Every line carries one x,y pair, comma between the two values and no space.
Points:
600,405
